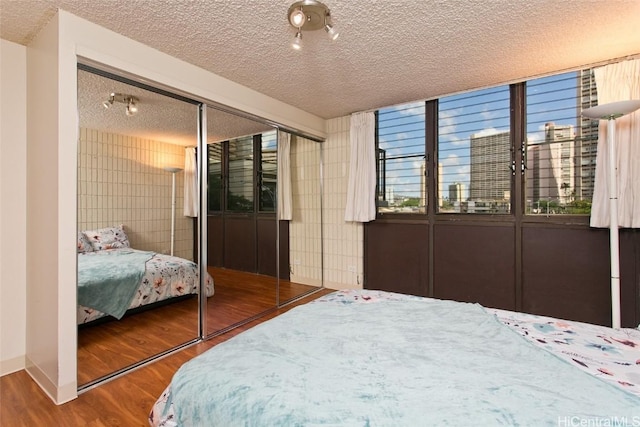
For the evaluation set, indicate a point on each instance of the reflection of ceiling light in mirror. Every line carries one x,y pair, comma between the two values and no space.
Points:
130,101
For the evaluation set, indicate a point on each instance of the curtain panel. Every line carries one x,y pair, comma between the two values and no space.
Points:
618,82
284,196
190,182
361,190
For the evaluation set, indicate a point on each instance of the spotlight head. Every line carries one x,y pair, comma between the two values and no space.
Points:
333,34
297,41
297,18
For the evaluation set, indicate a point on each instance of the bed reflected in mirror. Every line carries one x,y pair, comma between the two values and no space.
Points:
137,280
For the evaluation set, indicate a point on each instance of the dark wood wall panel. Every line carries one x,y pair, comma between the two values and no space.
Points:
240,243
215,242
266,245
475,264
396,257
284,251
630,277
565,273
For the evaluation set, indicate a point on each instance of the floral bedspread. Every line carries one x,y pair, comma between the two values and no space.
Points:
165,277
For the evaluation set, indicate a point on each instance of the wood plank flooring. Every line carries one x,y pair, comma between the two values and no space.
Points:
125,401
114,345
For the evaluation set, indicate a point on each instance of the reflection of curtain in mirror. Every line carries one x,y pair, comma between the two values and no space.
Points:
361,188
618,82
284,196
190,182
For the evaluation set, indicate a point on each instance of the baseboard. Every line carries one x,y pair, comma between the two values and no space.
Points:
10,366
58,395
340,286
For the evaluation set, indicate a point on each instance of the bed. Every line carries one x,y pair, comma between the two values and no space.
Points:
373,358
114,278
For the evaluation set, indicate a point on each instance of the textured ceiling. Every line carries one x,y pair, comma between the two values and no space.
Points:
388,52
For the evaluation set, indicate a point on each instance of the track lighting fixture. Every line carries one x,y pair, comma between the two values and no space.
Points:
310,15
130,101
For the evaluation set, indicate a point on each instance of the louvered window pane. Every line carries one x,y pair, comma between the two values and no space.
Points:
401,159
561,145
240,178
214,196
474,155
268,172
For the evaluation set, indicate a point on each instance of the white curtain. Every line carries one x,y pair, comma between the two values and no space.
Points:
284,196
361,201
618,82
190,182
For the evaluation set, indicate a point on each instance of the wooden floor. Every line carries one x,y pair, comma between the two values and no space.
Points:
125,401
114,345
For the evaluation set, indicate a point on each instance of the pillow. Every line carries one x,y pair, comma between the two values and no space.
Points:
108,238
84,245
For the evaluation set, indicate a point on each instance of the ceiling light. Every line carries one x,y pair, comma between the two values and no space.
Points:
297,18
130,101
333,34
310,15
297,41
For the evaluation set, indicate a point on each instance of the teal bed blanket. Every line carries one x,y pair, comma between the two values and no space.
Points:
392,363
108,281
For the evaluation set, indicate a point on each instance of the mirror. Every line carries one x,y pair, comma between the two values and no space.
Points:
131,158
136,249
241,220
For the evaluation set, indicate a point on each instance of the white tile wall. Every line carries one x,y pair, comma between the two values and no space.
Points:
305,228
121,180
343,241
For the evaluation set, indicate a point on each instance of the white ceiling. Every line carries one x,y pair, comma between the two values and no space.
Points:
388,52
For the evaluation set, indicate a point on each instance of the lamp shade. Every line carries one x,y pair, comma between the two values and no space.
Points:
612,110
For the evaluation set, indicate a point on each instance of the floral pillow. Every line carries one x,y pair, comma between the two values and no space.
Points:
108,238
84,245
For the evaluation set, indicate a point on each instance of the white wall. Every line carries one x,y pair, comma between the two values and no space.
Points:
52,141
13,205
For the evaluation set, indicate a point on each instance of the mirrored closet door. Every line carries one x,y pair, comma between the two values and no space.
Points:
241,218
137,280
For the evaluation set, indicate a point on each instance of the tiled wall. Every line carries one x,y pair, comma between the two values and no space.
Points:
121,180
305,228
343,241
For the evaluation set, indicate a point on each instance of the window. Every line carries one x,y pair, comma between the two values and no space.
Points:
215,177
401,159
474,156
233,165
268,172
474,152
240,180
561,145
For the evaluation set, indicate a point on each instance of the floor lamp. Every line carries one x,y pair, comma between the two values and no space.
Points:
611,112
173,172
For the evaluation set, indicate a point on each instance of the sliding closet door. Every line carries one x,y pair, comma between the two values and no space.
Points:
131,180
241,221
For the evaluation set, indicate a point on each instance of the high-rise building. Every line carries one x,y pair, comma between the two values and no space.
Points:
586,137
456,192
490,167
551,165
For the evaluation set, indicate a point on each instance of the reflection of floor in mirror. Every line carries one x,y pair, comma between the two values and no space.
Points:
124,401
113,345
